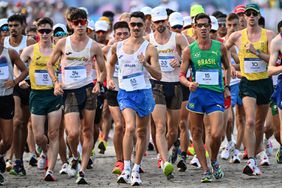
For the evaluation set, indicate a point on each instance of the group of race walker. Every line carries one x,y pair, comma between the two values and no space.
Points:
160,77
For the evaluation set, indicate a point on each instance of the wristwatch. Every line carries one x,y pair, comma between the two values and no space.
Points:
227,86
258,52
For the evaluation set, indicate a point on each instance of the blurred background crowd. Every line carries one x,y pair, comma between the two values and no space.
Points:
271,9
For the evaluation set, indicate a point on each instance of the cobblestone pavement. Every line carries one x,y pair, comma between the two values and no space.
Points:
101,176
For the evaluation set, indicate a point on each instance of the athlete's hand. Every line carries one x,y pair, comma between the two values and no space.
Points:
96,88
9,84
233,72
238,74
226,92
23,84
141,59
250,48
111,84
58,89
174,63
193,86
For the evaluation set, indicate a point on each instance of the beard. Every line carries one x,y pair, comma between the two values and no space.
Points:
161,29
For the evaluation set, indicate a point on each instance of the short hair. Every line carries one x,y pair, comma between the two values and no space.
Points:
43,21
202,16
30,28
18,18
121,24
279,25
232,16
109,14
217,13
138,14
261,21
68,12
78,14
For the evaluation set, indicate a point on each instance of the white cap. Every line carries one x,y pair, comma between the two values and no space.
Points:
187,21
158,13
146,10
91,25
101,25
175,18
59,25
3,21
214,23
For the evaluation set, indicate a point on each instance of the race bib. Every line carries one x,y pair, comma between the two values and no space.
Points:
208,77
74,74
116,70
254,65
134,82
4,71
165,63
42,78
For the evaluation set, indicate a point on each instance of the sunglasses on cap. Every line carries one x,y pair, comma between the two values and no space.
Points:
60,34
79,21
200,25
42,31
177,27
249,13
4,28
138,24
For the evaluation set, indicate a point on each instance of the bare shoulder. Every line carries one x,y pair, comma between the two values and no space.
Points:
270,34
30,41
235,36
151,49
147,37
61,43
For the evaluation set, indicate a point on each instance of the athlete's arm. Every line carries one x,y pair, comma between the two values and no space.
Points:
274,54
181,41
111,67
151,62
184,68
226,64
30,41
231,41
100,62
26,54
15,59
55,56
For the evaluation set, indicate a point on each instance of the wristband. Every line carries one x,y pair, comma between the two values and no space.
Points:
182,74
55,80
228,87
258,52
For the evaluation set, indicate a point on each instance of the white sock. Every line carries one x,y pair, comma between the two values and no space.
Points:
136,167
127,165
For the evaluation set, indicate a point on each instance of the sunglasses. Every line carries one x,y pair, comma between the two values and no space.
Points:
42,31
13,25
82,22
4,28
60,34
177,27
122,33
138,24
200,25
249,13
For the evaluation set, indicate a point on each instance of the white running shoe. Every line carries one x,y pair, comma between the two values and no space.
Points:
226,152
124,177
41,164
268,147
64,169
264,160
73,168
195,162
135,179
236,157
251,168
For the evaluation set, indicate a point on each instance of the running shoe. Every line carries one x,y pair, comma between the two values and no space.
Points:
235,158
251,168
151,146
181,165
175,152
73,168
279,155
225,154
268,147
90,164
124,177
102,146
167,168
160,163
33,160
2,165
135,179
81,178
9,165
18,169
217,171
41,164
118,168
207,177
49,176
195,162
264,160
191,150
64,169
2,179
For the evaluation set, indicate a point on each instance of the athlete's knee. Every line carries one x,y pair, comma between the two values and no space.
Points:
250,123
130,130
53,135
183,125
17,122
196,133
119,128
160,129
141,133
217,135
7,142
73,135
